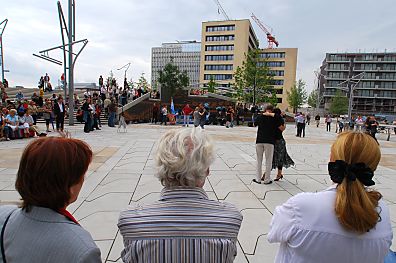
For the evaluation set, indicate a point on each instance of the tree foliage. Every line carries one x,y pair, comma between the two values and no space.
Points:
313,99
171,80
253,80
339,104
211,86
297,95
142,83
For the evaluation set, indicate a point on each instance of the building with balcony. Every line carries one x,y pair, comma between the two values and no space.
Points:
283,66
224,45
374,94
185,55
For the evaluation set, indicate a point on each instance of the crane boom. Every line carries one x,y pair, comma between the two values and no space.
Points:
221,9
271,39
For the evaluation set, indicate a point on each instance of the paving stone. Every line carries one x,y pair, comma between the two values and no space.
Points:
255,223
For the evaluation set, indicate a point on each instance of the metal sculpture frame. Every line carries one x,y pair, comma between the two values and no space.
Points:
67,48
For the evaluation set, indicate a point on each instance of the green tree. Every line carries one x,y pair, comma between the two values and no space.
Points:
211,86
313,99
172,80
297,95
253,80
142,83
339,104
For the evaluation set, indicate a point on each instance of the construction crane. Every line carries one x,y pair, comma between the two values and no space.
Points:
221,9
271,39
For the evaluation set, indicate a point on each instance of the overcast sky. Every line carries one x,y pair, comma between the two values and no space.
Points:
122,31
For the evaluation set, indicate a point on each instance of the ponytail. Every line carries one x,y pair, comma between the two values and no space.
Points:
356,207
356,158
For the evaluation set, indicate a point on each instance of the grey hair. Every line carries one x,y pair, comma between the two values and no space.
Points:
183,157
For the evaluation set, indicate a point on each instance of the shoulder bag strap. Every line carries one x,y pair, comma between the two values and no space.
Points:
2,238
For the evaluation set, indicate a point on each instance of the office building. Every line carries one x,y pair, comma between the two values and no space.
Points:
283,65
184,54
224,45
374,94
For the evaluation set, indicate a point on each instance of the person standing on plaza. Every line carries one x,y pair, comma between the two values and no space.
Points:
202,115
47,111
112,109
265,140
155,113
308,117
230,117
100,81
59,112
86,107
164,115
197,117
317,119
33,111
371,126
103,92
281,158
187,111
46,82
300,121
348,222
328,121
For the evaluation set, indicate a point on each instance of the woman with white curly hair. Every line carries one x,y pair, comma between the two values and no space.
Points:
184,225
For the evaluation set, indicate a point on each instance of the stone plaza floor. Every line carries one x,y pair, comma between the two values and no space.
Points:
122,173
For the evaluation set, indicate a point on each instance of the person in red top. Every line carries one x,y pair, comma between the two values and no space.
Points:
187,111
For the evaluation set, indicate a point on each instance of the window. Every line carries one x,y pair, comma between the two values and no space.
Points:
278,73
218,67
276,82
279,91
220,28
273,55
219,57
338,75
272,64
220,38
218,76
337,57
279,100
219,48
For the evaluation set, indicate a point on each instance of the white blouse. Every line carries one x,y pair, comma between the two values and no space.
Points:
309,232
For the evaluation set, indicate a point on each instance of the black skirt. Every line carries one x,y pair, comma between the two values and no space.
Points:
281,157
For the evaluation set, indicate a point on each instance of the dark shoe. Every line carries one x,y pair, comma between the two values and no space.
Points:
269,182
42,134
278,178
262,178
255,181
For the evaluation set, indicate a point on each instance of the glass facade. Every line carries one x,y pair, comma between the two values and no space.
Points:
218,76
219,48
220,38
219,67
273,55
220,28
219,57
376,91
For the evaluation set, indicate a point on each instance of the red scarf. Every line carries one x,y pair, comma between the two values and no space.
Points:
69,216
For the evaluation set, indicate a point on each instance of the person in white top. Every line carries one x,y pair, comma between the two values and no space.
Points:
348,222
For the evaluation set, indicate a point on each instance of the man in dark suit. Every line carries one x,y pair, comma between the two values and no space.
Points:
59,111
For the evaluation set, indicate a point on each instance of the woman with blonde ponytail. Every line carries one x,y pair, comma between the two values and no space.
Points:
348,222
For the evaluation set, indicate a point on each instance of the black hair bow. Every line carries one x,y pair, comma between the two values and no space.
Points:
339,169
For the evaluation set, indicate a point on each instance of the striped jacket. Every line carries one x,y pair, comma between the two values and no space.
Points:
183,226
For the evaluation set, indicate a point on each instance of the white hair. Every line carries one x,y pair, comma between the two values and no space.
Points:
183,157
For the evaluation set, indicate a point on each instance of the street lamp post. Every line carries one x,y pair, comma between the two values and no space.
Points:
2,27
127,67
